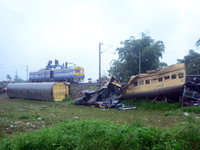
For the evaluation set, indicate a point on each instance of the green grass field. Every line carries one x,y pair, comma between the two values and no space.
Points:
20,118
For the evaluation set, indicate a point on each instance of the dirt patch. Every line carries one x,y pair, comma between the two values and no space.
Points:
22,107
4,98
63,106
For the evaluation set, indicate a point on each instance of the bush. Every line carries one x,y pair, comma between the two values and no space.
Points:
156,105
24,117
67,99
96,134
195,109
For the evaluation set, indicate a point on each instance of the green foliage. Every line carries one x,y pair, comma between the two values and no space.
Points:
124,130
192,63
17,79
128,62
28,116
24,117
8,76
192,109
197,44
156,105
96,134
69,100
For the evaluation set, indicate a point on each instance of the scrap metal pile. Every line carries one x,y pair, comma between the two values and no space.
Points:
104,98
107,97
191,93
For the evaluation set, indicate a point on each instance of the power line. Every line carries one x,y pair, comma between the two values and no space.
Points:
26,70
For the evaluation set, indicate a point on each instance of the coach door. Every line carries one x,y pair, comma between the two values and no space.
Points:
51,74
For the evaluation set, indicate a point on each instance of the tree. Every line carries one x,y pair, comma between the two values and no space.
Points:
16,79
192,63
197,44
8,77
128,61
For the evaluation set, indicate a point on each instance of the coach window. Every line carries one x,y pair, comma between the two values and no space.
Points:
141,82
180,75
78,70
153,80
173,76
167,78
135,83
160,79
147,81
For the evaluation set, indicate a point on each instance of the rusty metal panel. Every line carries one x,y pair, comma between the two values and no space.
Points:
39,91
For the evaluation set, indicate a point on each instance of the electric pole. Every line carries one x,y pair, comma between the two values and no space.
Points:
139,62
27,72
100,63
100,59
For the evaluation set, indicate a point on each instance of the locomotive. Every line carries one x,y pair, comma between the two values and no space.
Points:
58,73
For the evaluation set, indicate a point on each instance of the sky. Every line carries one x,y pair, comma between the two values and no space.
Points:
34,32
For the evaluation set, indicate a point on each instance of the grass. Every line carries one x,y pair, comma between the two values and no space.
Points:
22,119
156,105
97,134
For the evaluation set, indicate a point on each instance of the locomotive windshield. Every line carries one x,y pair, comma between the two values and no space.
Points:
78,70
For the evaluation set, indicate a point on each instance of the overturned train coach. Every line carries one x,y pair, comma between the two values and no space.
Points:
51,91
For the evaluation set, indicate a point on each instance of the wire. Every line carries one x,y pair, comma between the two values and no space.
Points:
107,48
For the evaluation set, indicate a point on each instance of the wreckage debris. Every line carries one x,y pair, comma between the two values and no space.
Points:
3,91
191,94
127,107
106,97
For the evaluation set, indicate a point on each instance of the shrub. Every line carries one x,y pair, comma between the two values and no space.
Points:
96,134
156,105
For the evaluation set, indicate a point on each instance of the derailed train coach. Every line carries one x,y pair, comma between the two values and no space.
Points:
51,91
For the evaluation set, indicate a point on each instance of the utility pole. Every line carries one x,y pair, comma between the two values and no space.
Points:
27,72
100,63
139,62
100,59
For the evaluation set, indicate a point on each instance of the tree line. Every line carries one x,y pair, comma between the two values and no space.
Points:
146,53
16,79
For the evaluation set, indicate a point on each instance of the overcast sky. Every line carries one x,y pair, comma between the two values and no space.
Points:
34,32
